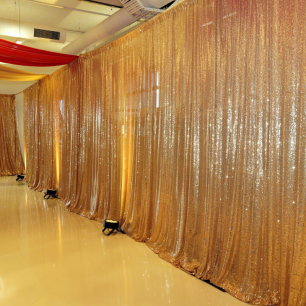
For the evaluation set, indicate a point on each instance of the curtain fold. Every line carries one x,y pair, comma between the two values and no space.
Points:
190,131
15,54
11,74
11,162
46,111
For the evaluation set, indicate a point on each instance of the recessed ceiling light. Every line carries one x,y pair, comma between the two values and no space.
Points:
19,41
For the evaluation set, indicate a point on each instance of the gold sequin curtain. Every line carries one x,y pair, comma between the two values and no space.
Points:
96,138
66,86
191,131
43,112
11,162
39,121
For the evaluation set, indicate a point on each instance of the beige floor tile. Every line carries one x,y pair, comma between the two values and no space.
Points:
51,257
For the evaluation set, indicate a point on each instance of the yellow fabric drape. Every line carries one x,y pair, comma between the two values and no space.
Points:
191,131
11,162
11,74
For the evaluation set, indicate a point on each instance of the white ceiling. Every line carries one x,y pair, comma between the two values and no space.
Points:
74,21
42,14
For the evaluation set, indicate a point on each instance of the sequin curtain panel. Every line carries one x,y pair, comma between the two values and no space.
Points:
191,131
39,127
46,113
11,162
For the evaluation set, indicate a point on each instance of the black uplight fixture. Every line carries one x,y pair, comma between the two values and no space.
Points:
20,177
111,226
50,193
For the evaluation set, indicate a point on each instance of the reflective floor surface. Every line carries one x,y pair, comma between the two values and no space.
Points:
51,257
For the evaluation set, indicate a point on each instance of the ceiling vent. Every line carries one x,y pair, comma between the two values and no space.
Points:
47,34
31,31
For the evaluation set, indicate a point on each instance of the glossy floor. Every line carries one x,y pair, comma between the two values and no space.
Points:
49,256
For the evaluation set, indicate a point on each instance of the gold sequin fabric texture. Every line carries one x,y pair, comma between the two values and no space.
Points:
190,131
11,162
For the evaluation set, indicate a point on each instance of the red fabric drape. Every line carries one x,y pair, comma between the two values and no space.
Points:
26,56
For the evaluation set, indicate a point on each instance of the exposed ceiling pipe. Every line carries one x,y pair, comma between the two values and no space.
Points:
109,26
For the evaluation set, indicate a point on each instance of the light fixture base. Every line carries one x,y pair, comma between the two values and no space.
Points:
111,226
50,193
20,177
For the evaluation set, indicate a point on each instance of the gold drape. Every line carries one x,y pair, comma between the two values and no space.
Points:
45,112
191,131
11,162
11,74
